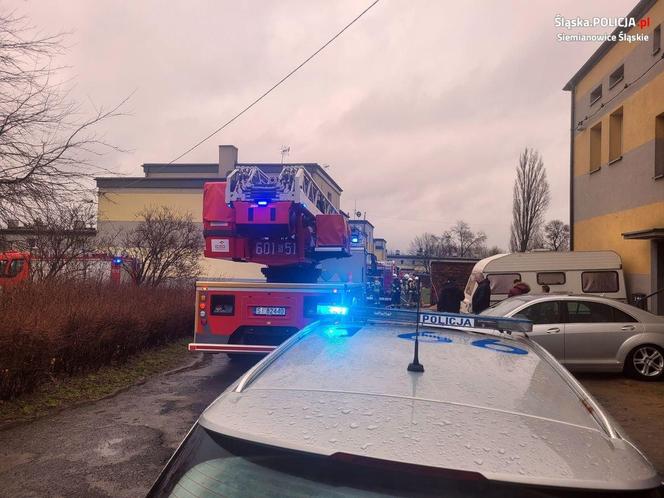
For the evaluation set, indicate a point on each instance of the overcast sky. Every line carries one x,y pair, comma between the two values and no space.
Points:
420,109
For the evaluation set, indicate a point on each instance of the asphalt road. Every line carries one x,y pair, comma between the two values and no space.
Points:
116,447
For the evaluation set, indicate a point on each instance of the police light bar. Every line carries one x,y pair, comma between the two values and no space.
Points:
262,203
331,310
441,320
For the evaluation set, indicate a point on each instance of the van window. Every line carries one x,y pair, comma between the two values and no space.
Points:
599,281
551,278
501,283
3,267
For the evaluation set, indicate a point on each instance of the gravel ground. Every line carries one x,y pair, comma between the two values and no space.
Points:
116,447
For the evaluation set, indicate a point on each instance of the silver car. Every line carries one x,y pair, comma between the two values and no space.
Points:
587,333
339,410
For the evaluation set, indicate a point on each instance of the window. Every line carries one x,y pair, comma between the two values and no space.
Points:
595,95
15,267
591,312
615,135
659,146
656,39
222,305
542,313
599,281
501,283
617,76
551,278
329,196
3,266
595,147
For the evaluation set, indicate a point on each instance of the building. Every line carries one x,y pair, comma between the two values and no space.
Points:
380,249
362,234
180,187
617,153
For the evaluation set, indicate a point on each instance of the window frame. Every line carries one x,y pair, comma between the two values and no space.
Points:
613,82
513,274
595,150
566,314
551,273
656,39
218,296
562,310
583,273
598,97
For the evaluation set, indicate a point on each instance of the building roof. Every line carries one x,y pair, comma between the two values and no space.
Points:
637,12
361,222
207,168
143,182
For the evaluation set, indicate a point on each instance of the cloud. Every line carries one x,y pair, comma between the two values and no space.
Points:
420,109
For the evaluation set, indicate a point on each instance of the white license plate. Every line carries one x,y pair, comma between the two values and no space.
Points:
270,311
272,248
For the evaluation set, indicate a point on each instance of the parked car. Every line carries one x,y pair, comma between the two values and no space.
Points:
335,412
580,272
588,333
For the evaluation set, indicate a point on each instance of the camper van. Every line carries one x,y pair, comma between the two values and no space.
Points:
579,272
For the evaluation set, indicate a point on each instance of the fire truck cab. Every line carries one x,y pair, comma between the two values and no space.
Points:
14,268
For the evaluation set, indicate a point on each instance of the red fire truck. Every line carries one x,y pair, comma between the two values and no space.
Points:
282,220
17,267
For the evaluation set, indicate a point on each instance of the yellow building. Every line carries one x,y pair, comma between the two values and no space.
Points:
617,152
180,187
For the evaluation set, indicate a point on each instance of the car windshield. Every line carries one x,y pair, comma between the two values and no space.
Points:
504,308
212,465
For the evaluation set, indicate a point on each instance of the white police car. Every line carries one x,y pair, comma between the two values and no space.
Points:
336,412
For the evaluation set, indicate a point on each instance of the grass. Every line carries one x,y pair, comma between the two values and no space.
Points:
69,391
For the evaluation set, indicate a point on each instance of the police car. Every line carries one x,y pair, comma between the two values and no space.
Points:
379,402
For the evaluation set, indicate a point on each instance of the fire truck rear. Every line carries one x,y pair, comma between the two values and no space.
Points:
284,221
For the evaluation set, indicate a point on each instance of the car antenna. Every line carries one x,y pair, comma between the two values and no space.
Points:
415,365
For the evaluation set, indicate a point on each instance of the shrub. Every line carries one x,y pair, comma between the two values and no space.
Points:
64,328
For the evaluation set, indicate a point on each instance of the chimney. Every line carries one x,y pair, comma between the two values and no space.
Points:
227,159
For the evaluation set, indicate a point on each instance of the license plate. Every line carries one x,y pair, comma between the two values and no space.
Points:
270,311
272,248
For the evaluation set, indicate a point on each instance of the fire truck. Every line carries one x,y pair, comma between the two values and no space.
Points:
17,267
280,219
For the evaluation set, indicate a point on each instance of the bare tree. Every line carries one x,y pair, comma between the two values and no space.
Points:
465,242
556,234
531,199
491,251
427,246
60,239
164,245
43,141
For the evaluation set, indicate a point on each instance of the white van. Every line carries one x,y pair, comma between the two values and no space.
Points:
579,272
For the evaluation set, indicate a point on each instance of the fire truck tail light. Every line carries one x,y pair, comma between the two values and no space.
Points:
202,314
201,306
203,321
202,297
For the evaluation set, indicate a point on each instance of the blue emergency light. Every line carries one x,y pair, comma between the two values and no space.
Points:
117,261
262,203
354,239
328,309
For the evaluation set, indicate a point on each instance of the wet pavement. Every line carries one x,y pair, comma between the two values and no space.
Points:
114,447
117,446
